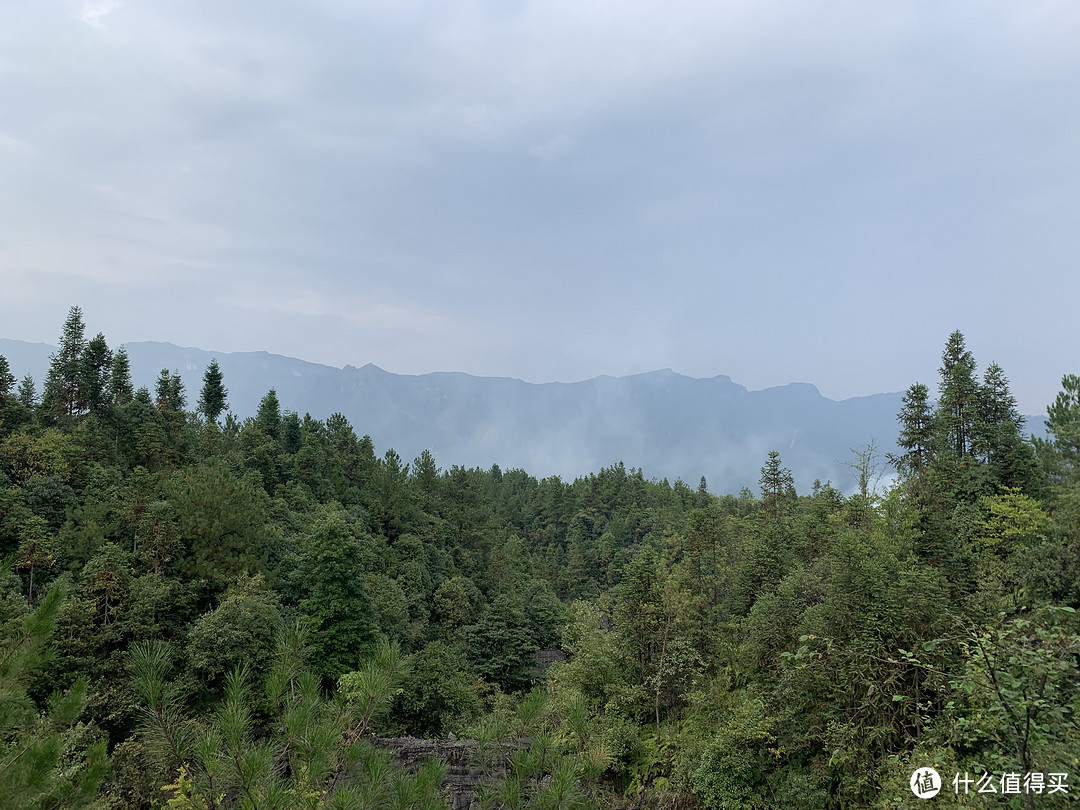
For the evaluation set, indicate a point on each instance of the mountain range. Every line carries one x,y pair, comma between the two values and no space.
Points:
667,424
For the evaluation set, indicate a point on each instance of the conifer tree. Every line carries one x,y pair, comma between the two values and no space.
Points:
777,485
999,437
121,390
916,436
95,363
958,399
268,417
27,394
169,392
1060,452
61,395
213,399
7,379
37,769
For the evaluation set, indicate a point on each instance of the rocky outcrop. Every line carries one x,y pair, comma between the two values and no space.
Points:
462,758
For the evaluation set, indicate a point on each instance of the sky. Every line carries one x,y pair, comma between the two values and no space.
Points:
774,190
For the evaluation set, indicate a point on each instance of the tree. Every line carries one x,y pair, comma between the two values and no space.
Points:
438,687
62,395
330,577
240,631
220,520
309,755
916,437
998,435
268,417
501,646
1062,450
7,379
777,486
169,392
38,769
121,390
27,395
11,411
958,398
212,400
95,365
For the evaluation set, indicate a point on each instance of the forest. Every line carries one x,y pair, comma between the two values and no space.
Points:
201,612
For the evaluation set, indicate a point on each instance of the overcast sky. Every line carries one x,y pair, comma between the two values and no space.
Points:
777,191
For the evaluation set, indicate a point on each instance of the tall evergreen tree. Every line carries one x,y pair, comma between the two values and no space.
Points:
27,394
61,397
916,436
169,392
212,400
958,398
1062,451
7,379
121,390
999,434
95,365
268,417
777,486
334,602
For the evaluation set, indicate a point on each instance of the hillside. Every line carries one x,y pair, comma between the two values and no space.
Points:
669,425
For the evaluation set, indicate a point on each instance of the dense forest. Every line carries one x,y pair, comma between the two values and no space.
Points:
203,612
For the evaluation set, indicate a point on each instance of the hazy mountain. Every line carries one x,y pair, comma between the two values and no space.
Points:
665,423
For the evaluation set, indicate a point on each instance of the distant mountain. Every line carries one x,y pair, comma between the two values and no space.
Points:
669,425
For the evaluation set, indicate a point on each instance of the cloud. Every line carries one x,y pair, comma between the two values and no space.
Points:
553,149
93,13
16,146
641,183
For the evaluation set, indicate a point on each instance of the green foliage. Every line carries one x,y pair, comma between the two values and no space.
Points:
1018,693
213,398
438,691
120,390
7,379
240,631
169,393
723,651
501,647
329,576
38,769
63,396
220,522
268,417
309,755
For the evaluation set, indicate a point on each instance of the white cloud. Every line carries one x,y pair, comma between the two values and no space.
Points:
15,146
555,148
94,12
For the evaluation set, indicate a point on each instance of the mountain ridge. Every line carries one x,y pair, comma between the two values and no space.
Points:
667,424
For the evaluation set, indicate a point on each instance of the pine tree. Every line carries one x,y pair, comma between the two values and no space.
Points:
334,604
777,485
268,417
1060,452
169,392
212,400
121,390
62,396
7,379
27,394
916,436
958,397
95,363
36,767
999,434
